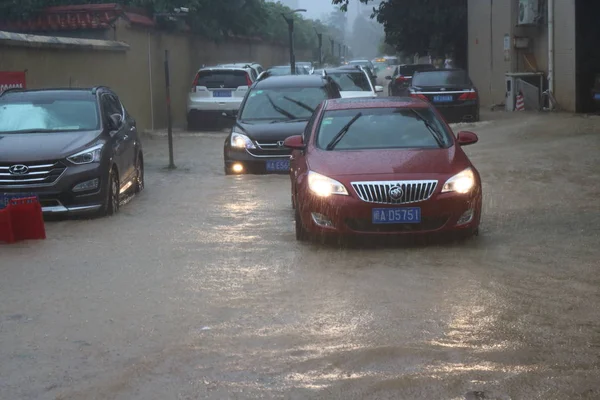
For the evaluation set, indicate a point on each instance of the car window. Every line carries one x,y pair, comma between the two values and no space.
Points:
351,81
280,71
285,103
110,106
310,125
54,115
382,128
441,78
221,79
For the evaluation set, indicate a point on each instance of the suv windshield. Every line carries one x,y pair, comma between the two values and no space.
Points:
217,79
441,78
285,103
48,115
383,128
409,70
351,81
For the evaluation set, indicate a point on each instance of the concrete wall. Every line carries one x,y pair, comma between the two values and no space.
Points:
137,75
489,21
486,44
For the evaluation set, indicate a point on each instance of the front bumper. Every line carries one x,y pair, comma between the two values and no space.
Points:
349,215
256,164
59,197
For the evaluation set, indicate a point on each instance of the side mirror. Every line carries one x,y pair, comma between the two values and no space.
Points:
116,120
378,89
388,78
465,138
294,142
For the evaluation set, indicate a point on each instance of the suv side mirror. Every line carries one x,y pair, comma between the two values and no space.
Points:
116,120
465,138
294,142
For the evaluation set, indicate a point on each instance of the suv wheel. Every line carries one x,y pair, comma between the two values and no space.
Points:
139,174
111,204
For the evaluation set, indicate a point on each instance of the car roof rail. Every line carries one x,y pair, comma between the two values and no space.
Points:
96,88
324,74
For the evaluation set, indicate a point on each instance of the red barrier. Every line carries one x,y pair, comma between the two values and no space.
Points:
6,231
27,219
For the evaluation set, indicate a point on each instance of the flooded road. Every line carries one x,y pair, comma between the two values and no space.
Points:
198,289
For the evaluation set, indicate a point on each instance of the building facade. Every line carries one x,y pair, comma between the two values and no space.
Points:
508,36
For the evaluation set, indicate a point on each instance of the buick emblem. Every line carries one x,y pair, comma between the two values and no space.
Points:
280,143
396,192
18,169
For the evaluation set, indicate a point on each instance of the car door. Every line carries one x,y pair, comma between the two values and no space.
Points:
118,135
130,139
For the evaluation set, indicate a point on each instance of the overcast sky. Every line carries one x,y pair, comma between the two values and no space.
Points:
316,8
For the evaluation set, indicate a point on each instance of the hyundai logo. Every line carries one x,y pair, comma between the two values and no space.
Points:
18,169
396,192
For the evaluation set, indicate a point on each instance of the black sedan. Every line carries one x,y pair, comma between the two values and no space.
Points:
274,108
77,150
451,92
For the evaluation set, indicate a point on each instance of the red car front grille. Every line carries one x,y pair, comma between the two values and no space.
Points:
394,192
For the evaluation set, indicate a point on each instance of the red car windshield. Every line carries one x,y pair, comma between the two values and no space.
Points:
384,128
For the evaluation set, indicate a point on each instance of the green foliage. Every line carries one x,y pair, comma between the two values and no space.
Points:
211,18
420,26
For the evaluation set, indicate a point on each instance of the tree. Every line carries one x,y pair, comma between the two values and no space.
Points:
211,18
422,26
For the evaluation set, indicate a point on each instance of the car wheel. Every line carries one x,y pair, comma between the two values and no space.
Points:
301,233
139,174
112,202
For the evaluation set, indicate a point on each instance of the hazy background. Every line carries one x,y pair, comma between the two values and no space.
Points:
361,33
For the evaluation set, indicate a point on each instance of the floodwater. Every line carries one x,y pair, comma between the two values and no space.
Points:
198,289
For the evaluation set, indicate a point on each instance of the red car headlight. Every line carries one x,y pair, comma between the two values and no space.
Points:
323,186
462,182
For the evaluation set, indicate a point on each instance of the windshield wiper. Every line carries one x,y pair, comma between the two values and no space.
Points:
279,109
437,135
336,139
301,104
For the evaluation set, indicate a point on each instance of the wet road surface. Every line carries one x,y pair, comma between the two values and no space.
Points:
198,289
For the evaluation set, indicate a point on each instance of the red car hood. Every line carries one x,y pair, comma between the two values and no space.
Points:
411,164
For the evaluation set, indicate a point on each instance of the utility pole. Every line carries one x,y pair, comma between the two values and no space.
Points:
332,47
320,37
169,117
290,22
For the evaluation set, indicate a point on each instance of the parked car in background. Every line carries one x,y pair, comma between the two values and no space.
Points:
275,107
280,70
306,65
401,78
216,91
451,91
364,63
257,68
78,150
353,82
382,166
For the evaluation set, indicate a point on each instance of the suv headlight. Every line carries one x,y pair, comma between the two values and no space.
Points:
241,141
462,182
87,156
324,186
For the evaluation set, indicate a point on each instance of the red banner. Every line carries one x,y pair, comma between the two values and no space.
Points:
11,80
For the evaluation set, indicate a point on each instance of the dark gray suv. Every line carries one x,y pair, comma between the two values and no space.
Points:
78,150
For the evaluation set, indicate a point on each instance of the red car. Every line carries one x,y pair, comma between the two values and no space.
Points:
382,166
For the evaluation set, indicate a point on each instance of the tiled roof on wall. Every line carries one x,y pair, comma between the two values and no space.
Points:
78,17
